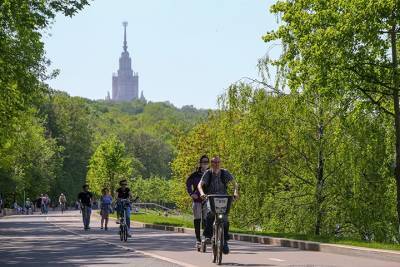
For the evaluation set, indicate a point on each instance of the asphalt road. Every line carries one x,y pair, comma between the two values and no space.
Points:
59,240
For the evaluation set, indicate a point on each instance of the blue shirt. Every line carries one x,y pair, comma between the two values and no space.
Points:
106,200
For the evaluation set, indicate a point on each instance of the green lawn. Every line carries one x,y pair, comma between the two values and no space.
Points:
185,221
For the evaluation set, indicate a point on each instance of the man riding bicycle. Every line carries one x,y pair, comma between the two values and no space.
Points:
62,200
215,181
28,206
124,193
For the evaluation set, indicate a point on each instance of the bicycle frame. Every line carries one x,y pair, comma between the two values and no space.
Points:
123,232
220,206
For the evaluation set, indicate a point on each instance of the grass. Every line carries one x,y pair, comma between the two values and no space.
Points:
154,218
184,221
323,239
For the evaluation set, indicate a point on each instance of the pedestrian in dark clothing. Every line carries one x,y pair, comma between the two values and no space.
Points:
192,183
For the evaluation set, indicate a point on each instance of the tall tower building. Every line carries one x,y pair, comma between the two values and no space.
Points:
125,84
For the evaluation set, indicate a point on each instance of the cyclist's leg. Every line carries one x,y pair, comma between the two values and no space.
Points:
226,237
128,217
226,230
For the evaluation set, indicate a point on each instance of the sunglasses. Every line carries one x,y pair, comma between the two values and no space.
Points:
205,162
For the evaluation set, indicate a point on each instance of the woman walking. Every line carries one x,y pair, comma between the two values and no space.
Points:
192,182
105,206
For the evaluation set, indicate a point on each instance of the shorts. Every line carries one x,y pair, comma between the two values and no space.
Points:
198,208
105,210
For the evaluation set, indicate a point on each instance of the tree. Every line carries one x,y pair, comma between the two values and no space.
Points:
332,37
29,161
68,122
108,165
22,56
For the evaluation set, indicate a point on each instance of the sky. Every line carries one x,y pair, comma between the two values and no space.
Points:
186,52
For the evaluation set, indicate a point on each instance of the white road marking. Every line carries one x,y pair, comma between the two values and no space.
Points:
123,247
275,259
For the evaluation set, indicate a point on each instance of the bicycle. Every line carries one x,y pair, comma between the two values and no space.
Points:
62,206
123,227
220,206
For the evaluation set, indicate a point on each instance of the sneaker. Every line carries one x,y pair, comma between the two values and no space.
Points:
198,244
225,249
117,222
101,228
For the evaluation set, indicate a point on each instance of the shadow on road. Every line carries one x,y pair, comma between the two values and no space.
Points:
37,243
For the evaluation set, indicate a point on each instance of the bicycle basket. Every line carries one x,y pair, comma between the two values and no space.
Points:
220,204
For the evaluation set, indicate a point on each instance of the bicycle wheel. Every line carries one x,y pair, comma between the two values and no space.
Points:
214,243
125,233
220,243
121,232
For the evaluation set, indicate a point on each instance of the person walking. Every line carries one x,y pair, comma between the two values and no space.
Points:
105,207
199,210
46,201
86,199
42,204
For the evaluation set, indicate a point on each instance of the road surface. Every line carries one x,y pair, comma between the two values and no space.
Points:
59,240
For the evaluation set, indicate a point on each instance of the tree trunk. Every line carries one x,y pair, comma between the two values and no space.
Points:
393,37
320,180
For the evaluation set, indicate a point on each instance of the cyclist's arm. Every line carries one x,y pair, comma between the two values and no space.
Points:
231,179
200,187
204,180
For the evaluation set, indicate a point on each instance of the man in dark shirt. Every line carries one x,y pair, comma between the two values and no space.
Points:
215,181
85,198
191,187
124,193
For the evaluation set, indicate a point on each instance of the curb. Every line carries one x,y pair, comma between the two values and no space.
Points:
7,212
379,254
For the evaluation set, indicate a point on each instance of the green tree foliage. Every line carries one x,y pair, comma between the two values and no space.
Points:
108,165
154,189
351,42
29,161
29,157
297,177
68,122
22,56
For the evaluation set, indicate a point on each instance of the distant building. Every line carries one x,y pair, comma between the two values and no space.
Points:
142,98
125,84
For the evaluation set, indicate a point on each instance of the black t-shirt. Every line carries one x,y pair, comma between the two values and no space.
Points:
85,197
123,193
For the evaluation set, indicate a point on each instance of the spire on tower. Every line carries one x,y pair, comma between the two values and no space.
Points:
125,24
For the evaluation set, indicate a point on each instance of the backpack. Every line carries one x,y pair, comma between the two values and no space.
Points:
223,178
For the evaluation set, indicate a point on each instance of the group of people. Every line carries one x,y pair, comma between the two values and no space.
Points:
43,203
207,181
204,181
86,201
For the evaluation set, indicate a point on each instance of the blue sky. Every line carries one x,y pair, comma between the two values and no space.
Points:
186,51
